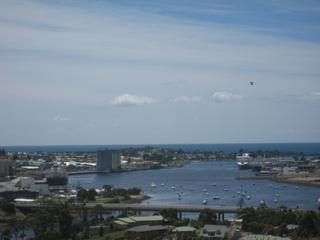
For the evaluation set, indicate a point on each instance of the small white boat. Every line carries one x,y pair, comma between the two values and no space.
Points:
173,187
248,197
162,184
275,200
216,198
204,202
226,189
205,190
153,185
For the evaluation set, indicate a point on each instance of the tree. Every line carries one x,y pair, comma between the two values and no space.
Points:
98,210
107,187
82,194
134,191
7,207
309,224
65,221
207,216
91,196
170,214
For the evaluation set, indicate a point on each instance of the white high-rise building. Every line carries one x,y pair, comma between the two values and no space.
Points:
108,160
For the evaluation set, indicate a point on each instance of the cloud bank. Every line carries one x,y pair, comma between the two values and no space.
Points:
225,97
131,100
187,99
59,118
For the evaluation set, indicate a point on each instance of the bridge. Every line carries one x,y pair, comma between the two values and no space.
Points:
138,208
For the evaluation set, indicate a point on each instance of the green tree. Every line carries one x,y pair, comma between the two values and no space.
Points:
65,221
91,196
207,216
134,191
99,210
309,224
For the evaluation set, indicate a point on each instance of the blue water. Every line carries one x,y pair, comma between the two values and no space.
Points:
192,179
306,148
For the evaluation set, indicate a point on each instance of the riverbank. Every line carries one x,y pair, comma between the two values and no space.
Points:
137,198
311,179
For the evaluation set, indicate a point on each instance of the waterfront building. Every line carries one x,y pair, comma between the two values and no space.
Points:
6,166
57,177
108,160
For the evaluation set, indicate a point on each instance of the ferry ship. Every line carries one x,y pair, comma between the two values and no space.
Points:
243,161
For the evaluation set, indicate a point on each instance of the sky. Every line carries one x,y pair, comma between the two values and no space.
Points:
149,72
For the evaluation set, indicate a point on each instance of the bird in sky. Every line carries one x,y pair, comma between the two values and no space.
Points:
251,83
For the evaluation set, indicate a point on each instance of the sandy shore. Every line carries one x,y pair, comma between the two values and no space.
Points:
312,179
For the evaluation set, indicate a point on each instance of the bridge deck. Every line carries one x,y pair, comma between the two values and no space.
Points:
140,207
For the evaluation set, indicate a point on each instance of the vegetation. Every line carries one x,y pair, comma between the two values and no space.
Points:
207,217
274,221
86,195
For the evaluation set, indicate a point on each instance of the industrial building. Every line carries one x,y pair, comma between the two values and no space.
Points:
108,160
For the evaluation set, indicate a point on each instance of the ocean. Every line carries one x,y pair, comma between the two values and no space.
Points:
305,148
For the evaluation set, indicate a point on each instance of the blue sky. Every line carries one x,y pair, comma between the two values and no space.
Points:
142,72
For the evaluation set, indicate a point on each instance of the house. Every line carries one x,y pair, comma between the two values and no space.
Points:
213,232
185,233
126,222
263,237
147,232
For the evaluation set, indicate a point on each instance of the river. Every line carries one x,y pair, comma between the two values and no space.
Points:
201,181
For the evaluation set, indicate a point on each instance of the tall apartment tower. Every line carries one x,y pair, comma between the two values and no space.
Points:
6,167
108,160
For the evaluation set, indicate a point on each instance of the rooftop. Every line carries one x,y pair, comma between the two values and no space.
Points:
263,237
185,229
148,228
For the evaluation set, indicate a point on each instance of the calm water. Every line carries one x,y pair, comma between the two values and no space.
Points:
306,148
192,179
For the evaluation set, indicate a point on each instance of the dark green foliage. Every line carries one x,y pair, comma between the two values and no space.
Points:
169,214
7,207
207,217
309,224
107,187
274,221
92,194
86,195
134,191
82,194
65,221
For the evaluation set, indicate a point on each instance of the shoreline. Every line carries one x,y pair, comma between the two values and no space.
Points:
298,181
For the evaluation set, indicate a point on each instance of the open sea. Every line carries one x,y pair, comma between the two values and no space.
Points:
306,148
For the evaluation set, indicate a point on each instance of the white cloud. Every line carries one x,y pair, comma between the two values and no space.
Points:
221,97
60,118
311,97
131,100
187,99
